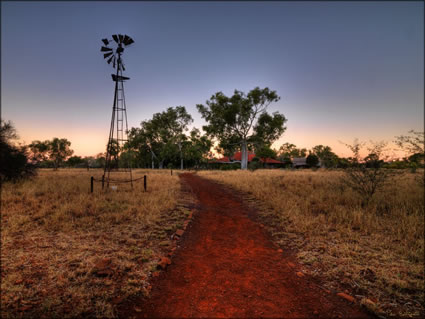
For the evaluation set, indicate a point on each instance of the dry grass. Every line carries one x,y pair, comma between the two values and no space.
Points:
375,253
55,234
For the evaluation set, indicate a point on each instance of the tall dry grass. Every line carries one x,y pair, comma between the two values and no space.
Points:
55,234
374,252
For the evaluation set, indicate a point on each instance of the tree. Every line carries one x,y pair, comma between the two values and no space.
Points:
114,151
163,135
312,160
242,119
197,148
326,156
263,152
14,163
54,152
288,151
138,143
412,143
74,161
39,151
59,150
100,160
89,161
177,119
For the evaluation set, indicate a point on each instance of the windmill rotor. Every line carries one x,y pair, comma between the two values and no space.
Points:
114,48
107,54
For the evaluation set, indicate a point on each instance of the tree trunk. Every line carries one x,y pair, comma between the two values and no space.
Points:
244,158
161,164
181,156
153,163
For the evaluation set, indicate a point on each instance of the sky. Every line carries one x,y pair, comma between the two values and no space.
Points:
343,70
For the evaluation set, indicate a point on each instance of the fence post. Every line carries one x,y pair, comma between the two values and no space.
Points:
103,181
144,182
171,172
91,184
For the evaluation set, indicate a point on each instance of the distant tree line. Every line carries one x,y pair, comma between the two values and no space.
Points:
234,123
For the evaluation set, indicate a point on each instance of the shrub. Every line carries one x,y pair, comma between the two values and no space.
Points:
230,167
14,163
366,176
255,164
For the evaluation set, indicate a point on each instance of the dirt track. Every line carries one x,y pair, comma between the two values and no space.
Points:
228,267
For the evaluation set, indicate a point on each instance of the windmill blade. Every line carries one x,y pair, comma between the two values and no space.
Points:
121,37
122,67
115,37
107,54
105,49
110,59
105,41
130,41
126,38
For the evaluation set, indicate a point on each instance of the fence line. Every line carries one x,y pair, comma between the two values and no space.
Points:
92,180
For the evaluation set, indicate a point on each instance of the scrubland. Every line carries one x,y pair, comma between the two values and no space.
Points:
68,253
373,252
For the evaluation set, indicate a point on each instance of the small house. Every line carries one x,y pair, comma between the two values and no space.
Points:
299,162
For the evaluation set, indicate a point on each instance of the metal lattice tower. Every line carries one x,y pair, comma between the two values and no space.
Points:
118,133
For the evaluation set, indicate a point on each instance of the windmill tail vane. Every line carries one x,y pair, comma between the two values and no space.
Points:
113,50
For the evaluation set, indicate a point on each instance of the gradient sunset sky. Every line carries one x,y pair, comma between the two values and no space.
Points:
342,69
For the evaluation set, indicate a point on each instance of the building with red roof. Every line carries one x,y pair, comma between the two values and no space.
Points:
237,157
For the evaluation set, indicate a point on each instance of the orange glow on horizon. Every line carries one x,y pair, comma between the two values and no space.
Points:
94,142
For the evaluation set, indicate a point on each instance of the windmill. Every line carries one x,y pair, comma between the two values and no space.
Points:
118,133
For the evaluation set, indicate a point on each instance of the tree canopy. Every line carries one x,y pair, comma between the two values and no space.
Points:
163,136
326,156
14,164
56,151
242,121
288,151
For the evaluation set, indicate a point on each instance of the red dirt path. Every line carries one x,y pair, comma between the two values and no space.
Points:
227,266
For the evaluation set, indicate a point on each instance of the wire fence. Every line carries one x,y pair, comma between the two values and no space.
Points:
103,180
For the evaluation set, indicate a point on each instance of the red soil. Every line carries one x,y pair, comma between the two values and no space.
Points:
227,266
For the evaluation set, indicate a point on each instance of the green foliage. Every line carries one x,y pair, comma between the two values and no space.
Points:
59,150
417,158
328,158
196,149
312,160
163,140
230,167
14,164
52,152
265,151
39,151
255,164
241,120
74,161
163,136
287,151
342,163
